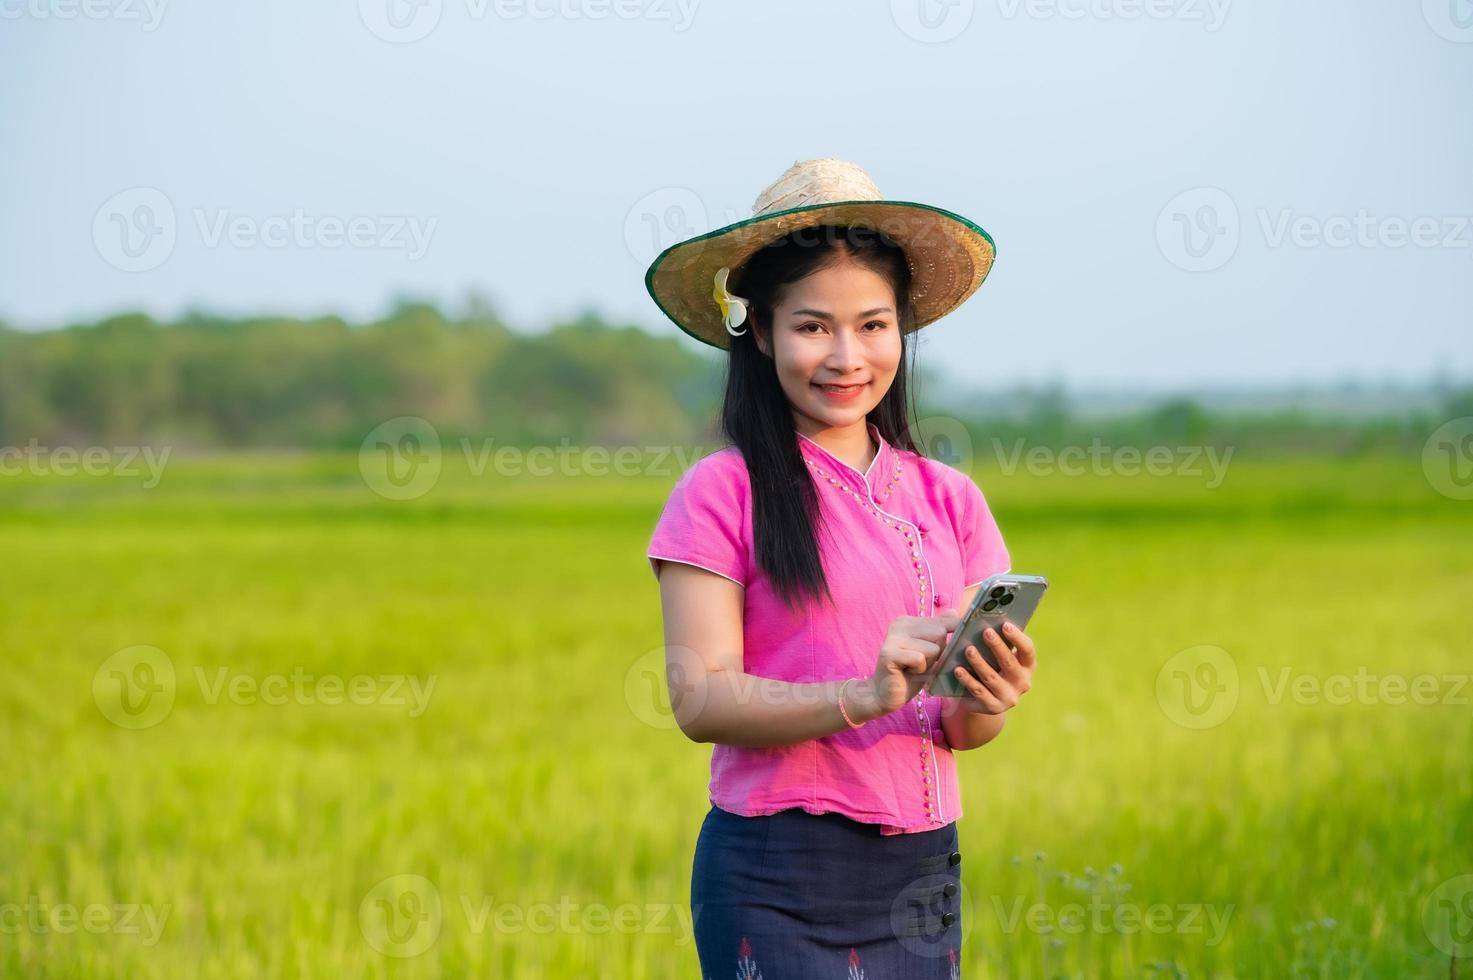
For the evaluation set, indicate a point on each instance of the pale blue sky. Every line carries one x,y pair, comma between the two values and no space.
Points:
531,154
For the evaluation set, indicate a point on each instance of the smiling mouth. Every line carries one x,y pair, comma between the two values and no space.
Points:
843,389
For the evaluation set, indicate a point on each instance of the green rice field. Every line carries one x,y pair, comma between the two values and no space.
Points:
262,719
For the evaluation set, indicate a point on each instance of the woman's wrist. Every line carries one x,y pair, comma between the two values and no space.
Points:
859,700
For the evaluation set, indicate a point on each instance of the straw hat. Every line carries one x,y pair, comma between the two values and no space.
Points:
949,256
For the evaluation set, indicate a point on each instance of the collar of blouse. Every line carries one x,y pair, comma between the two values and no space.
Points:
868,487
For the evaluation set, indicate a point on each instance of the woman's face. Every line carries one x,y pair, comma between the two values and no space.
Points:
836,344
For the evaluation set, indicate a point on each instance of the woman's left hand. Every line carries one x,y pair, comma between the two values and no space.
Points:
993,692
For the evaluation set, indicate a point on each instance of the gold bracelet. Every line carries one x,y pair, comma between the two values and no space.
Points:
845,714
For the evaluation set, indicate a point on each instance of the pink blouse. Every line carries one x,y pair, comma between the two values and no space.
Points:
908,536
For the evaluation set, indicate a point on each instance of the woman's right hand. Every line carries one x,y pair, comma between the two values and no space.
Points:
911,648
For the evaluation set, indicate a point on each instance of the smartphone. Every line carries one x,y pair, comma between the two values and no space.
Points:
1003,598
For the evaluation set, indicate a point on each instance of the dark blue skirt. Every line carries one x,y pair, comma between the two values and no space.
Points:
799,896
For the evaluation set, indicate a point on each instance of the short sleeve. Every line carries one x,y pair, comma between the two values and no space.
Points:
983,551
705,520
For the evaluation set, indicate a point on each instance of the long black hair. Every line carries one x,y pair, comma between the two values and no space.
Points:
758,419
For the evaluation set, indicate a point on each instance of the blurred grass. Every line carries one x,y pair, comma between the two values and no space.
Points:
543,772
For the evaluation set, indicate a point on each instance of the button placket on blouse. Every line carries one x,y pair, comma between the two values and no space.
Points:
931,781
930,772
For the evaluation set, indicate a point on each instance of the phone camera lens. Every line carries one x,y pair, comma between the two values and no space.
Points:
989,605
997,591
1005,599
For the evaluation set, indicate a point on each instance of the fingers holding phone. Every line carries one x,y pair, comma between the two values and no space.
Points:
994,690
910,652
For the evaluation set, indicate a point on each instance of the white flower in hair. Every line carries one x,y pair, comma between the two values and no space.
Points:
733,308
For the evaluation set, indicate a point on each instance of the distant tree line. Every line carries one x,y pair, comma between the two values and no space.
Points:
204,382
1181,421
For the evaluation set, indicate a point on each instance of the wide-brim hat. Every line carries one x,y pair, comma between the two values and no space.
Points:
949,255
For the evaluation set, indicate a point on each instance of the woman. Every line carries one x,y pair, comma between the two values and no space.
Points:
810,574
